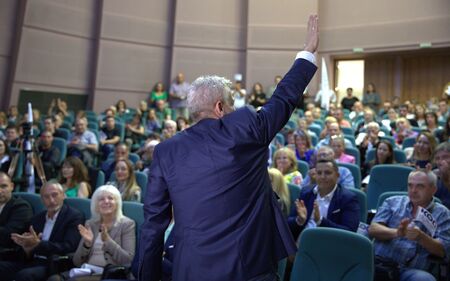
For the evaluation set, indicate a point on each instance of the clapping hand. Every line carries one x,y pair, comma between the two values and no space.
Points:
316,212
301,211
104,233
27,240
86,233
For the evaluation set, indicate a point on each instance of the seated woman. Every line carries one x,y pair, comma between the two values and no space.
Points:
284,160
5,157
384,154
134,132
126,181
107,238
280,188
338,144
303,146
74,178
423,150
402,130
431,122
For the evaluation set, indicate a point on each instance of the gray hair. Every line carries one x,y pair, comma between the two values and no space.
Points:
205,92
55,183
110,189
432,178
445,146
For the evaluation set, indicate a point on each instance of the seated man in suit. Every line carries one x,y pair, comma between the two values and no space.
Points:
408,229
52,232
345,178
15,216
326,204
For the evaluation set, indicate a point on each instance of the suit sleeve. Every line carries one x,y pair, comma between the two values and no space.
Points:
157,215
350,215
19,215
69,242
289,92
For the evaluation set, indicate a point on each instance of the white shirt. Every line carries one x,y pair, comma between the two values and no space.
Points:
324,204
48,228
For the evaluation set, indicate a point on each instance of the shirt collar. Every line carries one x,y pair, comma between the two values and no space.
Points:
327,197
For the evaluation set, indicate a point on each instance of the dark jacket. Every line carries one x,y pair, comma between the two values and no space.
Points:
14,218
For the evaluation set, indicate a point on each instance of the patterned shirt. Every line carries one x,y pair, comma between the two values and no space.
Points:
345,178
409,253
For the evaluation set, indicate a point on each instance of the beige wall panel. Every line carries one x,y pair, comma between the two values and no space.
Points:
105,98
3,72
7,17
52,58
72,17
383,24
124,66
197,62
140,21
218,24
263,66
278,24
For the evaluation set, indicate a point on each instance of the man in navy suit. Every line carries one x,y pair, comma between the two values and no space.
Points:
214,174
52,232
326,204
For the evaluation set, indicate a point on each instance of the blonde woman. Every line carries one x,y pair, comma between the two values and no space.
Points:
285,161
280,187
126,181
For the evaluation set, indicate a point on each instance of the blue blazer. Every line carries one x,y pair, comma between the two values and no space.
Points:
343,211
228,223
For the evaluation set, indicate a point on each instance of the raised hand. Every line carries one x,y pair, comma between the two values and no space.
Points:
105,234
316,212
401,229
312,34
301,211
86,234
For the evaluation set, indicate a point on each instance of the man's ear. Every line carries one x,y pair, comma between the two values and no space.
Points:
218,109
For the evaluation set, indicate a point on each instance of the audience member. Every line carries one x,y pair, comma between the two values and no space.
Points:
326,153
109,136
49,154
281,189
365,141
121,150
431,122
13,115
285,161
126,181
57,106
134,132
239,94
384,154
158,93
142,110
357,111
338,113
52,232
178,95
5,156
3,122
403,131
423,150
121,108
146,155
409,229
182,123
15,216
420,115
83,143
333,130
369,116
170,129
152,124
338,145
12,136
325,204
257,97
403,111
303,147
443,111
272,88
74,178
442,162
371,98
108,238
349,100
162,111
49,125
442,135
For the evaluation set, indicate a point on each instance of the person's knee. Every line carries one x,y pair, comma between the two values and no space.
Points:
416,275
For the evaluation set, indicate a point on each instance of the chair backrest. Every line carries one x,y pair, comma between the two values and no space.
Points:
303,167
34,200
314,140
408,142
388,194
135,211
399,155
389,139
64,132
133,157
121,128
385,178
362,200
333,254
355,153
316,129
356,173
280,138
100,179
282,268
351,139
294,193
81,204
61,144
348,131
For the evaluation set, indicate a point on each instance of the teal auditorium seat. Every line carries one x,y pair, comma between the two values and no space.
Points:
399,155
141,179
280,138
356,173
81,204
355,153
61,144
135,211
34,200
385,178
408,142
333,255
294,193
303,167
362,200
316,129
133,157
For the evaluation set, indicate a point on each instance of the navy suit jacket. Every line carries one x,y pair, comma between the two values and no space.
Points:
228,223
65,236
343,211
